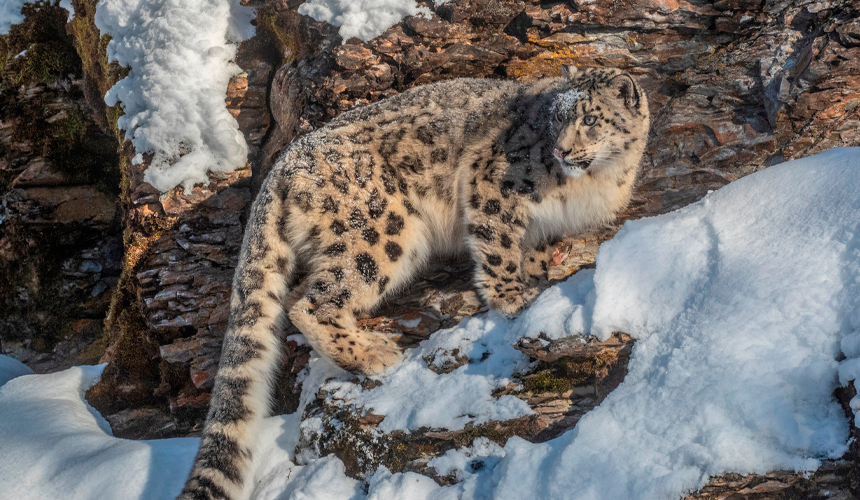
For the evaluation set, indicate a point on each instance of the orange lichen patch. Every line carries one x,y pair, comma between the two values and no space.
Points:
665,6
549,63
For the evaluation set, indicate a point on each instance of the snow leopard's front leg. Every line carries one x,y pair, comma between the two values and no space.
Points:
496,226
537,260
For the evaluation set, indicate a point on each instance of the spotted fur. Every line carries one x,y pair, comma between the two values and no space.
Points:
495,168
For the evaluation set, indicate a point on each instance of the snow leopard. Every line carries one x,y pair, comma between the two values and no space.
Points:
492,168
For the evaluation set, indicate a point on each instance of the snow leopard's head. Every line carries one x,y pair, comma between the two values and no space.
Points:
598,117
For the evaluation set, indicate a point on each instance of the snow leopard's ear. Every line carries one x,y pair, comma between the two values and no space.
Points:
569,72
627,90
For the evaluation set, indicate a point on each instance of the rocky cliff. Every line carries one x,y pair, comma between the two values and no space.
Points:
97,264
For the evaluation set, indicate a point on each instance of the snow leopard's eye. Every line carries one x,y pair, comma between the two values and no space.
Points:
590,120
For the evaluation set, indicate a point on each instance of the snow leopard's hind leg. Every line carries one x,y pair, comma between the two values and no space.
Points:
326,319
249,357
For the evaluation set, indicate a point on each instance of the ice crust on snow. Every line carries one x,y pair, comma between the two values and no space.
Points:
740,303
180,53
364,19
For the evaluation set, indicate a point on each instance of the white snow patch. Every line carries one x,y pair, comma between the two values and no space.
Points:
410,323
11,368
180,53
56,446
298,338
10,13
364,19
384,485
412,395
561,311
322,479
468,460
67,4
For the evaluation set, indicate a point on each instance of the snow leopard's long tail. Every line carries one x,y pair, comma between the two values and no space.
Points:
249,356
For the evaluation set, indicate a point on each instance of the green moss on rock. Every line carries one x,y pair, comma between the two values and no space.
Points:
81,150
45,297
547,381
277,29
564,374
99,74
49,51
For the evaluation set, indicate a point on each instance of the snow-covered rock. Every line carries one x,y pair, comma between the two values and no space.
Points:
364,19
739,303
181,57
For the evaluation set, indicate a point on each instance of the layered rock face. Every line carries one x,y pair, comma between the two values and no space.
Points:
734,86
60,221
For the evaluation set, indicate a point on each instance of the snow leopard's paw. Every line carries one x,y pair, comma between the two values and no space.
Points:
374,354
513,303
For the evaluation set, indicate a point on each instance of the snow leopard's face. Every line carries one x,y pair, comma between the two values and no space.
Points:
595,119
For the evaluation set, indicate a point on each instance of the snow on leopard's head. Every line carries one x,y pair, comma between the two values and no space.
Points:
597,117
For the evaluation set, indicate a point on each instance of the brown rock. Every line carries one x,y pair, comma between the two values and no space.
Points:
353,57
574,348
38,173
62,205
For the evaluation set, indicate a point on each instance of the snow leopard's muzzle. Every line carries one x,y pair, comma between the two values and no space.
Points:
573,165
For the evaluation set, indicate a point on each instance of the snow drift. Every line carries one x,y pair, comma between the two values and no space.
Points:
741,303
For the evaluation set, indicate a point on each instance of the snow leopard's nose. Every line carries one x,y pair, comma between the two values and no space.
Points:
559,153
